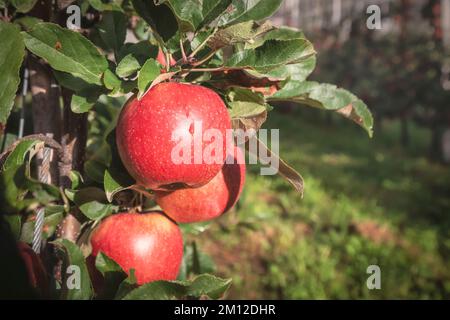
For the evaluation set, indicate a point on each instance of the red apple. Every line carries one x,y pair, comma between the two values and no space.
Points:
161,58
149,132
150,243
37,274
209,201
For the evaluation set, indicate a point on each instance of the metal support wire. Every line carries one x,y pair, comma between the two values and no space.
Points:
22,102
44,176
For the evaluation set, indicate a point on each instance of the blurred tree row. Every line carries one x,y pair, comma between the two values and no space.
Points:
400,74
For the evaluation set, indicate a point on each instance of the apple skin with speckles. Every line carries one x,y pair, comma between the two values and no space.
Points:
209,201
147,129
150,243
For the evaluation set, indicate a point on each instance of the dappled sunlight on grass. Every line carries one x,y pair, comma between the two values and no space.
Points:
367,201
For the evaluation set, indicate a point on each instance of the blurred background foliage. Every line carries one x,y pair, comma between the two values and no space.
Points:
382,201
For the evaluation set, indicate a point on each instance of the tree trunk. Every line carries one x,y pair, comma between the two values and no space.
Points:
46,114
73,141
446,145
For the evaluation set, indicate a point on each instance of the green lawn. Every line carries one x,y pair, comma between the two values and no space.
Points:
367,201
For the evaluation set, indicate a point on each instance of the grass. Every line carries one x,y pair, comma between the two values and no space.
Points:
367,201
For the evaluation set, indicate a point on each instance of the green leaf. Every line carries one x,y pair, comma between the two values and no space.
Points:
42,192
85,94
12,52
211,10
54,209
295,90
245,109
82,103
95,169
67,51
329,97
147,74
13,186
112,29
73,83
74,257
187,12
100,5
115,181
16,181
117,86
244,94
23,6
14,223
141,50
116,177
18,155
105,264
127,285
245,10
279,33
132,57
192,15
199,38
127,66
70,194
27,22
113,276
272,54
298,71
285,170
159,17
76,178
247,113
92,202
245,32
111,81
202,285
208,285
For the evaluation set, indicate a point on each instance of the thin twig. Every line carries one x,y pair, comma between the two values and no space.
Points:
167,55
183,53
142,191
209,56
214,69
201,45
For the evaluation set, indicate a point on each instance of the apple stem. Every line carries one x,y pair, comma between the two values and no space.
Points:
167,55
183,53
142,191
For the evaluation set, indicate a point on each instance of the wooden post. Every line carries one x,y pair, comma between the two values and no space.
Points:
445,20
46,112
